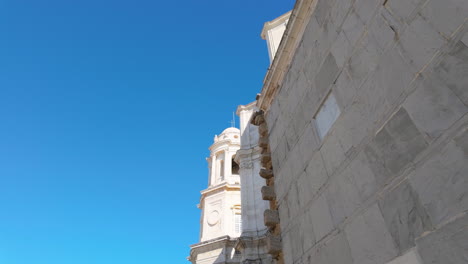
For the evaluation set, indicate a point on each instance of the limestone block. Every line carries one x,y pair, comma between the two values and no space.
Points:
273,244
353,27
362,176
308,143
334,251
464,39
342,198
404,216
434,107
410,257
403,9
448,244
453,68
341,49
263,142
307,236
381,31
292,198
365,57
259,119
392,77
254,115
446,16
263,130
265,159
268,193
316,174
327,74
394,146
322,10
272,116
266,174
419,43
295,234
339,12
332,151
291,137
365,9
442,182
368,238
321,219
338,244
271,218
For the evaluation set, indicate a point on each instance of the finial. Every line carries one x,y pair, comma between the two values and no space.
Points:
233,122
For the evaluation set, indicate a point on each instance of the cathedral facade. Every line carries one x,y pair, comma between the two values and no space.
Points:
357,146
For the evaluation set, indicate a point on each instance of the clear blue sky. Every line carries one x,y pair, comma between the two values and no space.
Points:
107,109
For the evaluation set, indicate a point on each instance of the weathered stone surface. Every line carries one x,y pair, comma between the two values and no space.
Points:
447,245
266,174
271,217
254,116
446,16
404,216
410,257
259,119
342,197
389,82
404,10
396,144
268,193
322,10
338,244
310,182
327,74
265,159
368,238
353,27
419,43
341,49
321,220
362,176
263,142
307,235
365,9
273,244
434,107
308,143
453,68
344,90
442,182
263,129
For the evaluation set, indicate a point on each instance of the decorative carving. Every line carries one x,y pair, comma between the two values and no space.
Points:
268,193
213,218
273,244
271,217
266,174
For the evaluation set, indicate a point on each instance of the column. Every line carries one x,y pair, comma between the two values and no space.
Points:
227,164
213,170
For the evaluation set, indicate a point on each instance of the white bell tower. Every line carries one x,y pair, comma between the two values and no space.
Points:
220,203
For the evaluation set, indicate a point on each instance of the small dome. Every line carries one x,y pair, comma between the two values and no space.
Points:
231,130
231,133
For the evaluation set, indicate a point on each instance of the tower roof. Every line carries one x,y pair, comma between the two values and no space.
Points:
230,130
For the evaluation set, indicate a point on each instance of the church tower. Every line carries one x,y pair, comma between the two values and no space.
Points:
220,204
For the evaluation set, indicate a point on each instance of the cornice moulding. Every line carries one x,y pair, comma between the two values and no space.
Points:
298,20
274,23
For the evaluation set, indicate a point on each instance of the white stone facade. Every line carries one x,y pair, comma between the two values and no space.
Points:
252,242
220,203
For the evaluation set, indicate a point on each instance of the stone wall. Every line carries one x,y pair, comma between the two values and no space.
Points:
389,181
